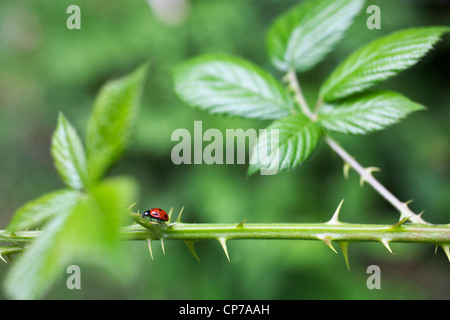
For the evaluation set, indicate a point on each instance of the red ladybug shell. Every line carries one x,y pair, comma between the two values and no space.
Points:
159,214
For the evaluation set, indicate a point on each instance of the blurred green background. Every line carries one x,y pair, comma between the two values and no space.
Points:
44,68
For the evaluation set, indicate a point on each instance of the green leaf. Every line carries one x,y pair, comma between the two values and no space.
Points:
112,120
94,227
38,211
68,154
41,263
285,144
366,113
302,37
221,84
380,60
87,232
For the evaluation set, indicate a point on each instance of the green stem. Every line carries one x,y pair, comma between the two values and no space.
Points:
366,175
334,230
295,85
412,233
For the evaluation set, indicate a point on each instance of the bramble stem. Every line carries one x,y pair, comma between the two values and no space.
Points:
412,233
333,230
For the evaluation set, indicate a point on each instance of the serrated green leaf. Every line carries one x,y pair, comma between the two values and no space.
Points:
68,154
302,37
112,120
232,86
285,144
35,212
380,60
366,113
87,232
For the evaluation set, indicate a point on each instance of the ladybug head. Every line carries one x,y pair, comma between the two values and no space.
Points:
146,214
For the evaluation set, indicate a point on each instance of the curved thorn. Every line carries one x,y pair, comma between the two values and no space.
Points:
369,171
405,212
345,170
179,215
162,246
446,249
223,243
170,213
335,218
386,244
418,218
190,245
373,169
132,205
327,241
241,224
402,221
1,257
344,249
149,242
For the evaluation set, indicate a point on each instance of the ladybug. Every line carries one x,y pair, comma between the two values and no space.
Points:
156,213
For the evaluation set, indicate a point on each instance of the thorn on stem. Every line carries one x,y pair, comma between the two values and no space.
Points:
335,218
223,243
406,213
344,249
345,170
179,215
149,243
327,241
446,249
241,224
170,213
190,245
386,244
132,205
162,246
367,171
402,221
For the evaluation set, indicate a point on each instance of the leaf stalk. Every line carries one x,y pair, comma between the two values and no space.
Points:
365,173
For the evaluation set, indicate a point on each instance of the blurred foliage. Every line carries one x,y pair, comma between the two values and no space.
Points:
45,68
